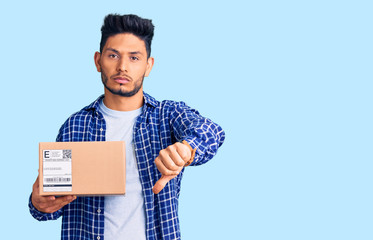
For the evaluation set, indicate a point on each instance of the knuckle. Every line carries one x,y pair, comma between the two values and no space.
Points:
169,172
163,152
184,155
184,158
178,144
173,172
173,168
159,164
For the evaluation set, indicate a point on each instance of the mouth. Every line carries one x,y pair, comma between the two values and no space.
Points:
121,80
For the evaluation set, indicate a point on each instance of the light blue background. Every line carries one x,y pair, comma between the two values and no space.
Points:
289,81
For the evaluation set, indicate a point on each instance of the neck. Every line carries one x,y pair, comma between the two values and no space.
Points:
119,103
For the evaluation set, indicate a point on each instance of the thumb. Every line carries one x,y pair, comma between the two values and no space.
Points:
36,184
161,183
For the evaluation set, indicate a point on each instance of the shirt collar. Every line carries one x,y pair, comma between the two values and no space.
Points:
148,100
95,104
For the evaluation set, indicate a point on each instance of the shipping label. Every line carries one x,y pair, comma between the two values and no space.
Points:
57,175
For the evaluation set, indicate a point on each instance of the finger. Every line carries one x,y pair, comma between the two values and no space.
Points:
163,169
54,205
184,152
172,162
175,155
62,201
36,184
35,197
166,156
51,201
161,183
65,200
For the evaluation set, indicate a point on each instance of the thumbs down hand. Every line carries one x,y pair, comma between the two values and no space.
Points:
170,162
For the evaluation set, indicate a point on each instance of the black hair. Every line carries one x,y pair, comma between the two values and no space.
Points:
140,27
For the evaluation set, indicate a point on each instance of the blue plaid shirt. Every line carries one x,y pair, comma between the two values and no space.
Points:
161,124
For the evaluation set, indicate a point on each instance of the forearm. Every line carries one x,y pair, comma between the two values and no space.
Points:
206,144
201,133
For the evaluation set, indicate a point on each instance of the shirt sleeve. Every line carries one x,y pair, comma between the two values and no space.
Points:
40,216
201,133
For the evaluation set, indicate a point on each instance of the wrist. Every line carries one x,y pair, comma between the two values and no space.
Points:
192,151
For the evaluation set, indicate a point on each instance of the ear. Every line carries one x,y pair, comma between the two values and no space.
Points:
97,58
149,66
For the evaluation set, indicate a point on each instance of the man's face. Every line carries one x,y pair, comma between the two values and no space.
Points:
123,64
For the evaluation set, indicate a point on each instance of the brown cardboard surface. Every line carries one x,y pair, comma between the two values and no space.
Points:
97,168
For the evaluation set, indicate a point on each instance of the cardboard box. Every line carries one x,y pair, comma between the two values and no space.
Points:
82,168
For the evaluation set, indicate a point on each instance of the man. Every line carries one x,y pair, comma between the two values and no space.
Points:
162,138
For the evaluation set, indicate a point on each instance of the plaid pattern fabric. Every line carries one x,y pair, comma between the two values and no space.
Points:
160,125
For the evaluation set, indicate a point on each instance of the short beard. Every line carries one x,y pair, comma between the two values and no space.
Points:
120,92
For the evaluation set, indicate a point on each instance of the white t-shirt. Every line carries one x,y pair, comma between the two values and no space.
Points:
124,215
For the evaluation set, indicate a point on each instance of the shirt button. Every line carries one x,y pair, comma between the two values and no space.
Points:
101,129
98,237
98,210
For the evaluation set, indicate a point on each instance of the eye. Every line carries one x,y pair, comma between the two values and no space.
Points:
134,58
113,56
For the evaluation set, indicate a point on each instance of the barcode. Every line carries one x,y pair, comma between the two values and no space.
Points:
57,179
66,153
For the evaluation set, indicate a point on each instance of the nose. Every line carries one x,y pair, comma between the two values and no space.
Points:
122,65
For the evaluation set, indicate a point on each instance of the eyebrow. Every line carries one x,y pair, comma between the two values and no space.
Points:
136,52
112,49
116,51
